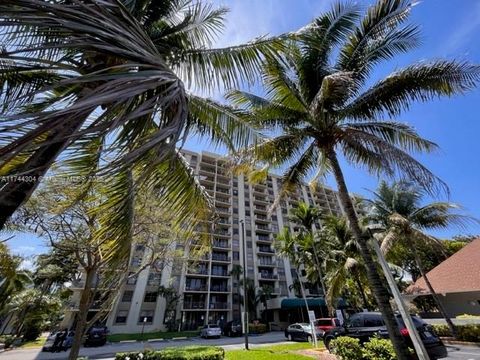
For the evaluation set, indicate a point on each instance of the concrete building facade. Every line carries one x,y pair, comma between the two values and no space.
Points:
208,292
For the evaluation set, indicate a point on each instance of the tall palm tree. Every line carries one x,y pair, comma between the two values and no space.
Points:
306,215
91,79
321,102
265,294
399,210
341,259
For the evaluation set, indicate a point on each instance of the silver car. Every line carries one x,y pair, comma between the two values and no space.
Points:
211,330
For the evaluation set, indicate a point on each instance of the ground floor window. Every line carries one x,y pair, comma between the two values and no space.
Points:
146,316
121,317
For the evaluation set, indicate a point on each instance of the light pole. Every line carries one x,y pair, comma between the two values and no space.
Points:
143,326
245,302
402,308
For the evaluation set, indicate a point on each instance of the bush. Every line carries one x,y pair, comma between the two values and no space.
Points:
378,349
257,328
470,333
347,348
180,353
7,340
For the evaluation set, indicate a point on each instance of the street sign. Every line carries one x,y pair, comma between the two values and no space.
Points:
311,315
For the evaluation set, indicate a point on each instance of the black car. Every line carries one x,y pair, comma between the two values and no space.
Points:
302,332
233,328
96,336
366,325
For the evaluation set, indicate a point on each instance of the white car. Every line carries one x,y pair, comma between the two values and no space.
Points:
211,330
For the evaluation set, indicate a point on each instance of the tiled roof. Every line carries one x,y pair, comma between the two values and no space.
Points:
459,273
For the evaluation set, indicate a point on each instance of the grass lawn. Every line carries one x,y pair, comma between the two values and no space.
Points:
150,335
34,344
277,352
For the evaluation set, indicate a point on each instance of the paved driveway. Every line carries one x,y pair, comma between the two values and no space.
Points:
462,352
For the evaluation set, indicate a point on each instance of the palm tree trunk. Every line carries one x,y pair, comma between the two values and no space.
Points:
440,306
376,282
361,290
84,305
15,192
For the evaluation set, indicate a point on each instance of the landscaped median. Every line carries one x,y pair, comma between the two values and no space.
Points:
466,333
277,352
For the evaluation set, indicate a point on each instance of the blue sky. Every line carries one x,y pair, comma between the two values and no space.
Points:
450,29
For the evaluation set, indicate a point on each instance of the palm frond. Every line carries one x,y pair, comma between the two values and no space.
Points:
418,82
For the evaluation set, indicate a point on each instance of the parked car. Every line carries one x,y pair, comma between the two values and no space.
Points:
233,328
96,336
211,330
326,324
66,344
301,331
366,325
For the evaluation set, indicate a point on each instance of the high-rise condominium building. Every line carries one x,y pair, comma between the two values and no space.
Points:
208,292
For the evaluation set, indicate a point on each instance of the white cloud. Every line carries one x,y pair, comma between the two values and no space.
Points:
465,32
24,249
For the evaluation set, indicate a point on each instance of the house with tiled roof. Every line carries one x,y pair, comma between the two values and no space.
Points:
456,280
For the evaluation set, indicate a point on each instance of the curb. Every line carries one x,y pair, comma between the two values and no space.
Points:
179,338
127,341
155,340
450,341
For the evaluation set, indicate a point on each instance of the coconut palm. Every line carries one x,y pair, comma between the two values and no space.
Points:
322,103
404,219
341,259
236,272
91,79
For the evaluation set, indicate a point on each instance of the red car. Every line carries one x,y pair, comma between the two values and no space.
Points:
326,324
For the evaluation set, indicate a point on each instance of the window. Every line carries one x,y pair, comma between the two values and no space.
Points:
235,231
131,280
355,320
121,317
150,297
249,244
146,316
235,210
236,255
249,232
127,296
154,279
235,192
373,320
247,212
247,203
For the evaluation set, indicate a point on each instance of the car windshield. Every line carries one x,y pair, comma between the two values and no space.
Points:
213,326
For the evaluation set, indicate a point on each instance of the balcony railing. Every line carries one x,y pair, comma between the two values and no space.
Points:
264,238
216,257
219,273
263,227
224,191
219,288
197,271
194,305
196,288
266,263
268,276
266,250
219,305
221,244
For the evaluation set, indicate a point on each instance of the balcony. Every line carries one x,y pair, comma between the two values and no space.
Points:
219,288
220,305
266,263
261,199
222,200
197,272
265,228
268,276
222,210
264,238
262,209
221,258
194,305
223,191
219,273
207,179
265,250
196,288
262,218
220,244
221,233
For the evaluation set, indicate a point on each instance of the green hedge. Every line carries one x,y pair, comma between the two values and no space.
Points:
469,333
178,353
347,348
257,329
7,340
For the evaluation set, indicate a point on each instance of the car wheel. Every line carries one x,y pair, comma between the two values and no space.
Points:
290,338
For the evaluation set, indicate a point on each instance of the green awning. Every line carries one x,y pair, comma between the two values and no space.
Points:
297,303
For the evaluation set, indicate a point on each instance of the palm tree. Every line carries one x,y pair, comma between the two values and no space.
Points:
341,259
253,298
265,294
319,107
236,272
95,79
404,219
306,215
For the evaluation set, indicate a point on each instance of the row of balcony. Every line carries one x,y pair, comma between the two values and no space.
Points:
202,305
205,272
213,288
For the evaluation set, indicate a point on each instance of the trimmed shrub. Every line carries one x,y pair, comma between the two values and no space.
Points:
378,349
470,333
257,328
179,353
347,348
